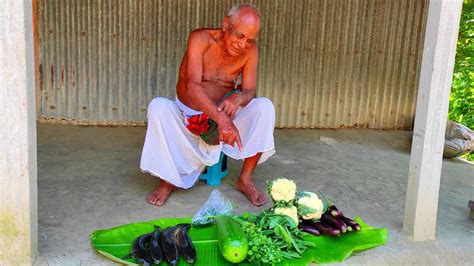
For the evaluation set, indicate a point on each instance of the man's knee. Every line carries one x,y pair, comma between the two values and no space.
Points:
264,104
159,106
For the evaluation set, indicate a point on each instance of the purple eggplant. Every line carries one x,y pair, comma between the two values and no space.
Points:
325,230
334,211
333,222
309,229
355,226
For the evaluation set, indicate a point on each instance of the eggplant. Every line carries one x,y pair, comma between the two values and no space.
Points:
325,230
334,211
355,226
155,249
140,248
168,245
184,243
309,229
336,223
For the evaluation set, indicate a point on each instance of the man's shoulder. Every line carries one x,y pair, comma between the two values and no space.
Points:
203,35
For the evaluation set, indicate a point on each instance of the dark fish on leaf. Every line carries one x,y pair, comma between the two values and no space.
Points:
168,245
155,250
140,250
184,243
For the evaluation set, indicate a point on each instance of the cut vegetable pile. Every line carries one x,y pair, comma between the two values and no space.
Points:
298,229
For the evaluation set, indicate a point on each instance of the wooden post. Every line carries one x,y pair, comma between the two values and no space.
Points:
421,205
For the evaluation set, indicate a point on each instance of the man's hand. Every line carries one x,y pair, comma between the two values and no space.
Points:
230,105
229,134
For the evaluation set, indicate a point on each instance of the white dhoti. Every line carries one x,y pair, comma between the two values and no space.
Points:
172,153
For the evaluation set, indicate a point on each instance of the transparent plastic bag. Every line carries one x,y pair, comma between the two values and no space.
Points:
216,204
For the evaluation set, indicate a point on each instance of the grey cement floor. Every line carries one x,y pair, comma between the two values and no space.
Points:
89,178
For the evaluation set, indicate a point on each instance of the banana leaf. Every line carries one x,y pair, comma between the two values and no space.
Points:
114,243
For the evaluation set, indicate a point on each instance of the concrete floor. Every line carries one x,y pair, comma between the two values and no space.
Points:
89,178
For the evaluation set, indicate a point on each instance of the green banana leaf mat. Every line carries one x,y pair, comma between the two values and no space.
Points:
114,243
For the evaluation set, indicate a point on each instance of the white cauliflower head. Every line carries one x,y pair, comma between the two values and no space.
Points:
289,211
310,207
282,189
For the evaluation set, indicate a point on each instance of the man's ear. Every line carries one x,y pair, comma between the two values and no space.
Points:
225,23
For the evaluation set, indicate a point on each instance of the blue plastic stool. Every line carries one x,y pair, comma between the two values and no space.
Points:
214,174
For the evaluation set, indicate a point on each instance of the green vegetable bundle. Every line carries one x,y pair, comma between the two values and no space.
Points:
272,237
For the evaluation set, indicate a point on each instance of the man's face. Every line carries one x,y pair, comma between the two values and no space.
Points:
240,34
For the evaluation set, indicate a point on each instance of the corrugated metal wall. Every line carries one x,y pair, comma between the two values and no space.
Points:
324,63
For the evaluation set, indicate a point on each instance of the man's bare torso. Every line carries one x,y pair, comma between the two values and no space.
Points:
219,73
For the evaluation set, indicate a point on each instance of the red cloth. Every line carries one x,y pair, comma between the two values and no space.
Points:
198,124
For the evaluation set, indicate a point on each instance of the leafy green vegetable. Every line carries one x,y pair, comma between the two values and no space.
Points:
262,249
281,237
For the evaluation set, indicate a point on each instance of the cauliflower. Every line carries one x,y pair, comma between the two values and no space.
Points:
289,211
310,207
282,189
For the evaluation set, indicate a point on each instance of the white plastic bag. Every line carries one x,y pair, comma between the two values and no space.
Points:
216,204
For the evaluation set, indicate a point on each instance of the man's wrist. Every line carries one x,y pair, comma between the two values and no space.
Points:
229,93
221,117
234,96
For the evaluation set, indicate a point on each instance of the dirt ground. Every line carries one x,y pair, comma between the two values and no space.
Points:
89,178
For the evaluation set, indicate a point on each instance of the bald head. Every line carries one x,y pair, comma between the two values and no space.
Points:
244,14
240,29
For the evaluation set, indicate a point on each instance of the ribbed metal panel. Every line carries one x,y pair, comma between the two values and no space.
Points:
325,64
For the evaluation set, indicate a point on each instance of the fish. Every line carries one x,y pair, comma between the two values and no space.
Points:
140,249
155,249
184,243
168,245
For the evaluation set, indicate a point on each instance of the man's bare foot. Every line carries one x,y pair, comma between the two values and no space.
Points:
161,193
256,197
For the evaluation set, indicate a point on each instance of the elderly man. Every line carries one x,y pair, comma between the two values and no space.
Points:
209,115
